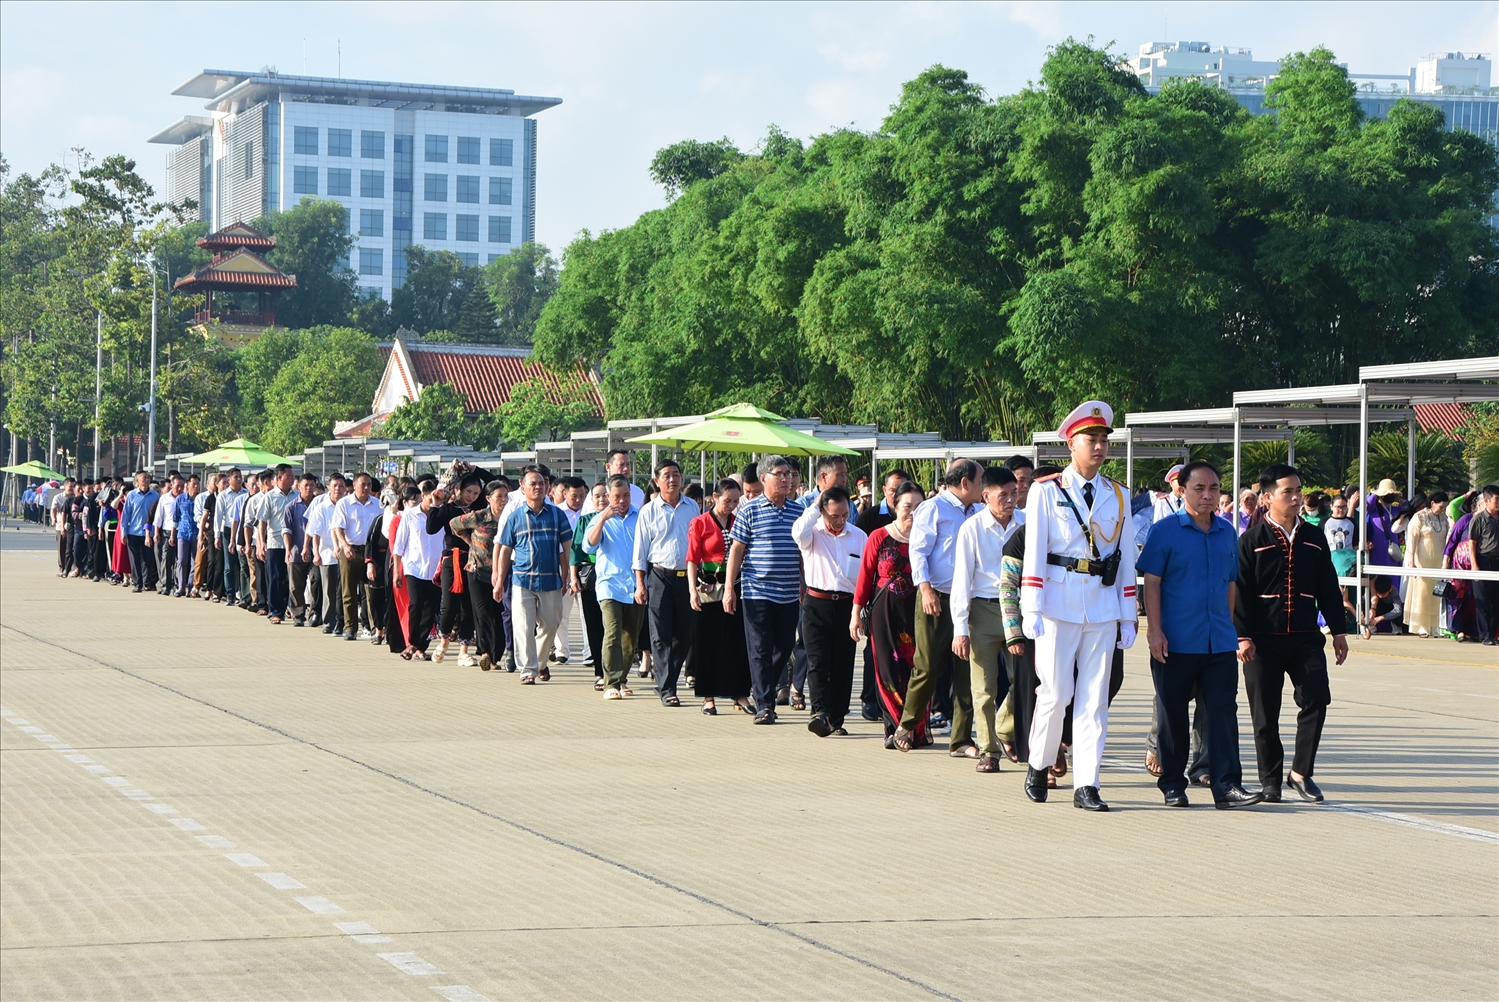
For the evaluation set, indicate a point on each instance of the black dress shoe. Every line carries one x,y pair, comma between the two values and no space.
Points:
1177,798
1237,796
869,711
765,717
1035,784
1305,788
820,725
1270,794
1086,798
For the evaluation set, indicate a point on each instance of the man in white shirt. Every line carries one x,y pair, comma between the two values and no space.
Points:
616,464
660,566
350,522
226,513
574,493
831,550
325,552
978,626
163,522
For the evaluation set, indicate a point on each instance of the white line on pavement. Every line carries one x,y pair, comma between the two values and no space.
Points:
361,932
319,906
242,858
410,963
215,841
282,882
188,824
459,993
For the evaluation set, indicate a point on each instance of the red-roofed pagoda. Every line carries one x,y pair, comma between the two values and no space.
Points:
237,268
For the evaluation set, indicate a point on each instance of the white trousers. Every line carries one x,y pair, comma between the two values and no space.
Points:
560,645
1090,647
534,617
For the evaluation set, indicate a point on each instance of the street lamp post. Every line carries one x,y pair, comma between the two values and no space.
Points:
151,402
98,386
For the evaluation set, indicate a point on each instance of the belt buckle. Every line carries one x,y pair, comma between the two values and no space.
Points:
1082,566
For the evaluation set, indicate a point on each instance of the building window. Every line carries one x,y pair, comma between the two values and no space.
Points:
304,181
305,141
371,292
437,149
372,145
340,181
372,222
436,189
434,226
467,228
340,142
468,188
502,153
250,164
468,149
469,260
499,229
499,191
371,261
495,257
372,184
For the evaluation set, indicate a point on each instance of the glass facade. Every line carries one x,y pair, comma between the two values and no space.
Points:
372,145
372,222
499,190
303,180
468,149
468,188
371,261
434,187
400,216
340,142
466,228
340,181
499,229
434,226
471,260
502,153
437,150
372,184
305,141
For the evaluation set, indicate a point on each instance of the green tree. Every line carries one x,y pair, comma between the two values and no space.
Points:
536,414
1439,462
313,243
519,285
681,164
477,321
332,378
436,415
437,284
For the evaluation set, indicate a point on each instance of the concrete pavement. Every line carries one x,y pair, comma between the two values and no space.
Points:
195,804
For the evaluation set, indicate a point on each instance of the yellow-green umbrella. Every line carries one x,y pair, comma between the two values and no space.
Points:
239,452
33,468
743,428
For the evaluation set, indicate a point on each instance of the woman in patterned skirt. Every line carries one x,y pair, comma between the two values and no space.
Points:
886,595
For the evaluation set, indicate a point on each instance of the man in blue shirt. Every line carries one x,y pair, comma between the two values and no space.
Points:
1191,566
611,538
762,545
135,520
534,540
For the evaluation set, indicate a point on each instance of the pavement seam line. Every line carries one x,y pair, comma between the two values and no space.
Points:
518,826
410,963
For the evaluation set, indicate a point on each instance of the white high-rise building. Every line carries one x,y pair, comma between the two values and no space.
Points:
449,168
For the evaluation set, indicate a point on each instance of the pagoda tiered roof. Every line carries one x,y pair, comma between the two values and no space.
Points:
234,237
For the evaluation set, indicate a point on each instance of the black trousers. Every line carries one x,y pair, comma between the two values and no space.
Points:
593,626
456,618
830,655
277,588
1213,679
769,634
426,598
99,557
489,631
1486,601
142,563
65,551
670,610
1303,657
1021,669
81,551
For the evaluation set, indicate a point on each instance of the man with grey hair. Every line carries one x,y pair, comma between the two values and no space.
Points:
764,549
934,539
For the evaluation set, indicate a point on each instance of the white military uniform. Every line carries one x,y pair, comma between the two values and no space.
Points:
1080,617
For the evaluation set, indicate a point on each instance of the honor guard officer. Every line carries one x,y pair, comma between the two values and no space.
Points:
1077,597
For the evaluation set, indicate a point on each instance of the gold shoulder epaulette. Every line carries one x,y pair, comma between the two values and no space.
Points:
1048,477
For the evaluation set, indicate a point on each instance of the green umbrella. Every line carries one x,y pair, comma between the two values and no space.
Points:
33,468
239,452
743,428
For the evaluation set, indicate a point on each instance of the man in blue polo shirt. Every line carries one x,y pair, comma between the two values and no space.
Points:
1191,565
135,520
534,540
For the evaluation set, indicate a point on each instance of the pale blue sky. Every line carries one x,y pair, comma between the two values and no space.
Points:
633,77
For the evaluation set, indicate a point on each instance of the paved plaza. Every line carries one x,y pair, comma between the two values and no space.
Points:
197,805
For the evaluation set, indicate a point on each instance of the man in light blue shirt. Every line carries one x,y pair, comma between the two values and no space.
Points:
934,541
611,537
135,520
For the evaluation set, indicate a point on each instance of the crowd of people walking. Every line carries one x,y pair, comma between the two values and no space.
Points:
995,610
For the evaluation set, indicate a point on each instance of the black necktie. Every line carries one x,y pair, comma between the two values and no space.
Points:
1088,494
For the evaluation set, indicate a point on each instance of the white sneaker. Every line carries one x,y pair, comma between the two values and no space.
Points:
612,694
466,660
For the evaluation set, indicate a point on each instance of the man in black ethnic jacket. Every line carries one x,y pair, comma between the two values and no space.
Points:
1285,576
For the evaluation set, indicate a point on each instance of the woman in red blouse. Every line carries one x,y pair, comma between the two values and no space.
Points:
886,594
719,661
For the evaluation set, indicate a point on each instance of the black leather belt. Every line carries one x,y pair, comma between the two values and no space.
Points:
1080,565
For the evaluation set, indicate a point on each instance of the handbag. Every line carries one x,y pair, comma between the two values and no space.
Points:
1441,588
587,575
709,587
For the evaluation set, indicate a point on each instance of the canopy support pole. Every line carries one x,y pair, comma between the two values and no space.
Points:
1410,459
1238,480
1291,448
1363,491
1129,461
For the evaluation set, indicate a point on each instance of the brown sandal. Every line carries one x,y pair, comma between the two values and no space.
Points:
1060,769
903,739
987,763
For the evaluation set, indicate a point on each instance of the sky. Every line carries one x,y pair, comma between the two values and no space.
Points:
633,77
